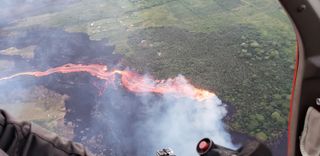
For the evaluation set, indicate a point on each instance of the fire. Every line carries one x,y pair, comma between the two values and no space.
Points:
132,81
177,86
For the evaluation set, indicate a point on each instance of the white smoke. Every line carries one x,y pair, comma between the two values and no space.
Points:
164,121
183,122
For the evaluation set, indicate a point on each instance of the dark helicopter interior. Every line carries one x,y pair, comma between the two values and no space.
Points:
306,18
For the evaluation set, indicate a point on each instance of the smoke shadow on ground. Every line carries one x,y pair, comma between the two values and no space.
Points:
55,47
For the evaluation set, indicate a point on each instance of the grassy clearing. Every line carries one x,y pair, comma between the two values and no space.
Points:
38,105
199,16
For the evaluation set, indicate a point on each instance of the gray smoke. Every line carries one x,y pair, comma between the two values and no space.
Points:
145,123
184,122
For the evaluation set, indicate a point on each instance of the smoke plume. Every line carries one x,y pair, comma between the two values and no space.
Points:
115,121
141,124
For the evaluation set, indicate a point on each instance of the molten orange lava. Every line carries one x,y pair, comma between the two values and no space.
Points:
130,80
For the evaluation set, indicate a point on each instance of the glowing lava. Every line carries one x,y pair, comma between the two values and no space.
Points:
129,79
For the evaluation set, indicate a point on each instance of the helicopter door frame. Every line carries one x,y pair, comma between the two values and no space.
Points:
305,16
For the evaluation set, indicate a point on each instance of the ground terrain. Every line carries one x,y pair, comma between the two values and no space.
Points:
243,50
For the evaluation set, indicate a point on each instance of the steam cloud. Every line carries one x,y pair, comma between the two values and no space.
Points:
144,123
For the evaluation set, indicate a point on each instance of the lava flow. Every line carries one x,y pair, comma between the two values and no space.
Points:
129,79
